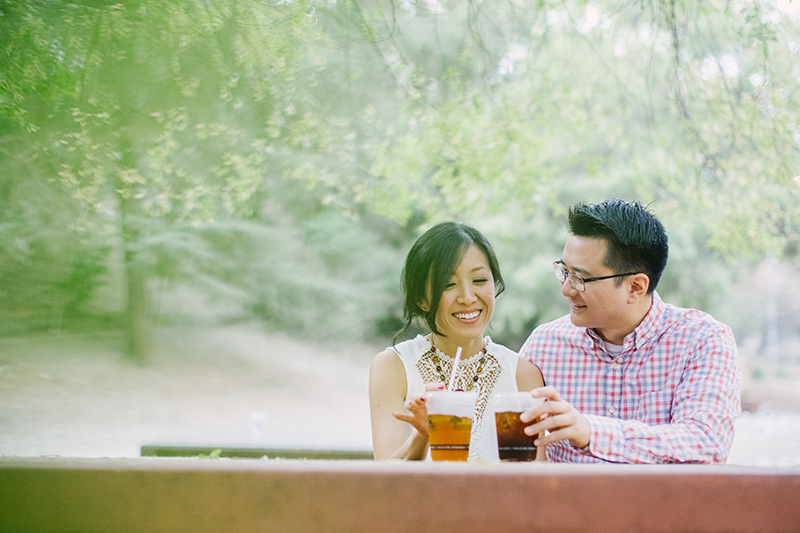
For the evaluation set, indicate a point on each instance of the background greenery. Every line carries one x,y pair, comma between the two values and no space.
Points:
206,161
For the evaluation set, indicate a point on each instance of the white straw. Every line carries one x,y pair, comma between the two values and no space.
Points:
453,373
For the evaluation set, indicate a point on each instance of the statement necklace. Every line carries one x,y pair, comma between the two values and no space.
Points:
436,357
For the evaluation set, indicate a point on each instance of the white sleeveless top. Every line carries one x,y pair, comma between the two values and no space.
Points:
488,372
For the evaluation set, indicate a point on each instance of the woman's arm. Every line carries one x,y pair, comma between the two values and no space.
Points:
387,402
529,377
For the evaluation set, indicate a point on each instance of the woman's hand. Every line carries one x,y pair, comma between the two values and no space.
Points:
417,414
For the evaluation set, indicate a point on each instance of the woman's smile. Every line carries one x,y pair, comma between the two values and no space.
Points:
467,315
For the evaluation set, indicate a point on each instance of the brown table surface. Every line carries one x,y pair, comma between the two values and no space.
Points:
190,494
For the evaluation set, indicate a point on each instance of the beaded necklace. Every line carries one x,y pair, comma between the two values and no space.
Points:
436,357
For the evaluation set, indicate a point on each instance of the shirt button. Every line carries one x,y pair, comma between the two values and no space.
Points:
614,366
612,410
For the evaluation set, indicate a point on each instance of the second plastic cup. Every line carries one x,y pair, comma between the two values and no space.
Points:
450,416
512,442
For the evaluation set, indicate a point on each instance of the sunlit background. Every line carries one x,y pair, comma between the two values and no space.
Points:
206,204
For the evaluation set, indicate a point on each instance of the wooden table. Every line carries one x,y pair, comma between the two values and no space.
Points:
277,495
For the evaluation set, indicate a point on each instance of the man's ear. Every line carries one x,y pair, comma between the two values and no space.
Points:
639,283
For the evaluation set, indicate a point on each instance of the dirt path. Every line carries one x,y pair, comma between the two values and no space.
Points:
78,397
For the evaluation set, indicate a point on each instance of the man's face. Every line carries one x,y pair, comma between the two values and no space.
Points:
603,304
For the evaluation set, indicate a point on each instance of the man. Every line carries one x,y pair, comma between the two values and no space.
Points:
631,379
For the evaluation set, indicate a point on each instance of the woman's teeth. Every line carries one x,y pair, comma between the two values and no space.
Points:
466,316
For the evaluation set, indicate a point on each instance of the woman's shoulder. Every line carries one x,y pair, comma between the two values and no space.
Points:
387,375
385,356
411,347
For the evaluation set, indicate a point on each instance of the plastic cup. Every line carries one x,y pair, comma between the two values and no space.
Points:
450,416
512,442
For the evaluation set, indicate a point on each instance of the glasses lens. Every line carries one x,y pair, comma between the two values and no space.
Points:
574,280
561,274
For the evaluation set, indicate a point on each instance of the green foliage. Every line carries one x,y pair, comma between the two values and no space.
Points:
216,453
48,267
280,157
322,277
504,108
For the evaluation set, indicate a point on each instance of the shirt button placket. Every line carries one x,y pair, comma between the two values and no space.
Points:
613,394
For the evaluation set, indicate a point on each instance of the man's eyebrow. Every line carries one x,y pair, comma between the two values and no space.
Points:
577,270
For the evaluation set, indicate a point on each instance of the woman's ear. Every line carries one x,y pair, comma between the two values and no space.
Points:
423,306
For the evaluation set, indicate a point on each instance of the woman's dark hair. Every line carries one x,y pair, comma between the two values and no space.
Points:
637,241
434,258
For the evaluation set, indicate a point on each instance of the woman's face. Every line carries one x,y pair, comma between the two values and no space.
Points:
467,303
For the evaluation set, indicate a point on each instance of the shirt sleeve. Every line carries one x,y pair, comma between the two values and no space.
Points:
703,409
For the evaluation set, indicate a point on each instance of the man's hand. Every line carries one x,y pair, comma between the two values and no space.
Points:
563,421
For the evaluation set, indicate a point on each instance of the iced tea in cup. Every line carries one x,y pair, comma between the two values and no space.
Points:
449,424
512,442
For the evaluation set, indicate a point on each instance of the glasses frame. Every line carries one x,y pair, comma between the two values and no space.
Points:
575,279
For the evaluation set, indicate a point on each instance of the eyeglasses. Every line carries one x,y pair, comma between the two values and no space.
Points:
578,283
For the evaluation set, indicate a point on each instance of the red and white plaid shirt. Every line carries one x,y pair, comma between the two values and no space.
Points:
672,395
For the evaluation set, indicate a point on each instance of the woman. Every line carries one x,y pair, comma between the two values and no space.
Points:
450,280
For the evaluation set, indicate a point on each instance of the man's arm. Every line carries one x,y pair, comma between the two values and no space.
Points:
704,408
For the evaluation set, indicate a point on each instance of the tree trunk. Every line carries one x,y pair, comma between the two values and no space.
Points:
136,308
135,280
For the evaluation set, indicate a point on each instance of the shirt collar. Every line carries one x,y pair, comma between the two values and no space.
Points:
647,330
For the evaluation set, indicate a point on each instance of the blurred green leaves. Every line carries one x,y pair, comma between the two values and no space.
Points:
281,156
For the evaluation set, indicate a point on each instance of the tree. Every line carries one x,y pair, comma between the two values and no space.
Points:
165,133
154,113
521,103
